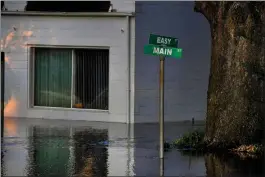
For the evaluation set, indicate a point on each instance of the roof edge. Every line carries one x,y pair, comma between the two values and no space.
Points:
67,14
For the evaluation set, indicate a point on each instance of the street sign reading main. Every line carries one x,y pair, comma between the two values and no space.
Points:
163,40
163,51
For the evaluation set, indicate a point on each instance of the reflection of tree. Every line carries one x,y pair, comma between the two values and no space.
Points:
90,159
232,166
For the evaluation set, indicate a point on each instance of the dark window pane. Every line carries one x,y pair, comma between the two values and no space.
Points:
68,6
91,78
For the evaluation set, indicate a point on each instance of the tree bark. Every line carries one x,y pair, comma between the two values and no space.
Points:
236,97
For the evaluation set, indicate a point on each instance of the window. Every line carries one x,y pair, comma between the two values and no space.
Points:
71,78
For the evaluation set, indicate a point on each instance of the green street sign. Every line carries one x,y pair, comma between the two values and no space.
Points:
163,40
162,51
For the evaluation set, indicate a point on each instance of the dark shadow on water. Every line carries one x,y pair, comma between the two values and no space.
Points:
230,165
227,165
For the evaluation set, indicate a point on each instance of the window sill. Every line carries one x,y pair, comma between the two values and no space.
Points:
68,109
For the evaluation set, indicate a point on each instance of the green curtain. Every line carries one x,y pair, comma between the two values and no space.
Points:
53,76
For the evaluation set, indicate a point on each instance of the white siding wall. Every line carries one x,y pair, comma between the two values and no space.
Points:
72,32
59,31
186,79
132,69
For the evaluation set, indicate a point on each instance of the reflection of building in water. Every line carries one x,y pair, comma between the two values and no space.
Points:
50,152
90,159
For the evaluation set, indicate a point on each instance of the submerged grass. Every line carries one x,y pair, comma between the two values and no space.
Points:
255,149
194,141
189,141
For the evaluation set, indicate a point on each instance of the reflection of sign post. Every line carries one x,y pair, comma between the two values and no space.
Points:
162,46
2,92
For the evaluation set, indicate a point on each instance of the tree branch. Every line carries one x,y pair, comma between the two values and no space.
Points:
207,8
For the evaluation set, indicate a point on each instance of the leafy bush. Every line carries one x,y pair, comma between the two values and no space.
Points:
191,140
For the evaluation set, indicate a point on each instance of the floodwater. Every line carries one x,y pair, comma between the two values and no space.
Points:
34,147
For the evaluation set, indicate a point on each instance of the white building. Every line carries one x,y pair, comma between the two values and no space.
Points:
122,84
132,80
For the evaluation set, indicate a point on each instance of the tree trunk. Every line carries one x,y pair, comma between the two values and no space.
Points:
236,97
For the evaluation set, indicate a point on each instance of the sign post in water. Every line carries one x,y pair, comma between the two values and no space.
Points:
163,47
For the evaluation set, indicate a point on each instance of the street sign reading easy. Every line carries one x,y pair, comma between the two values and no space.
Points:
163,51
163,40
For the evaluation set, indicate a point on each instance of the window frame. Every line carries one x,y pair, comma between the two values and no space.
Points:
31,76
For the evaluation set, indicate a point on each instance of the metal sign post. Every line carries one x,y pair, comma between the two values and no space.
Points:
162,46
161,113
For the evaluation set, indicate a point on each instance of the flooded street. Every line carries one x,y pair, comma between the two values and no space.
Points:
34,147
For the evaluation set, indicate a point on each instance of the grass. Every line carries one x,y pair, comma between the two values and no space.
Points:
254,149
189,141
193,141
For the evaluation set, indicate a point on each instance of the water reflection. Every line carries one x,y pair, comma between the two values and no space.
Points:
66,152
65,149
234,166
49,152
90,157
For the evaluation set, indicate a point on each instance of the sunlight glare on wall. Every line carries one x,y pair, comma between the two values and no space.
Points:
11,111
11,107
7,60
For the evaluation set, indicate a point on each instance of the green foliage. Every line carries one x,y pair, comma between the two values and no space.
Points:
192,140
258,149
